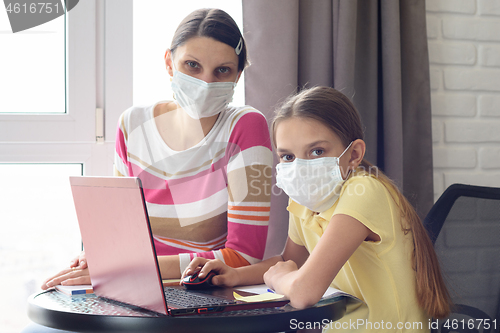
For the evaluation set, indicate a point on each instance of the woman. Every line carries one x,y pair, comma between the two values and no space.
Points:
204,165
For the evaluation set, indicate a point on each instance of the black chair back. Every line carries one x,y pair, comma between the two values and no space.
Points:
464,226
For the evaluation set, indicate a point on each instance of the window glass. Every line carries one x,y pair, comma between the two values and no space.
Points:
154,25
32,63
39,233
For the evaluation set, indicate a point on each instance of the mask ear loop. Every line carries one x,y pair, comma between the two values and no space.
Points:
346,149
350,170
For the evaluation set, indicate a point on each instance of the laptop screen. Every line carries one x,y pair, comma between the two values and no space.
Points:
117,240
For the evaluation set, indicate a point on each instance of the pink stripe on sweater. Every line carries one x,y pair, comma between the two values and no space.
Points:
248,239
259,136
155,189
121,149
164,249
180,191
197,188
207,255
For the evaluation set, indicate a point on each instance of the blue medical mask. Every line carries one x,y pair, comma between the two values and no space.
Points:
313,183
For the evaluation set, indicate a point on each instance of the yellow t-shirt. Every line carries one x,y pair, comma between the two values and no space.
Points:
379,273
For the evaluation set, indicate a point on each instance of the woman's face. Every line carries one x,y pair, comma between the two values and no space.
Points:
206,59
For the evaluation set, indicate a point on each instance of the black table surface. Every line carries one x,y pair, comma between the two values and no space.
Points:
88,313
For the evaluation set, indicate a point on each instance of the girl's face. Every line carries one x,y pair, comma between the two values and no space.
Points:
206,59
307,138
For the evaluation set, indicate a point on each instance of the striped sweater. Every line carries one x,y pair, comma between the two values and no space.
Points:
211,200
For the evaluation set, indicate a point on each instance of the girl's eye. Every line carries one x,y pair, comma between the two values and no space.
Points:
287,158
317,152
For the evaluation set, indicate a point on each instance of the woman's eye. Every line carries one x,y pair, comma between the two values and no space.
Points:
223,70
317,152
192,64
287,158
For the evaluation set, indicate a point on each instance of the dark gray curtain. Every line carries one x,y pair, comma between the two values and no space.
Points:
375,52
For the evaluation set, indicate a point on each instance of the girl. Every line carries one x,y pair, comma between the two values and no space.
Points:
197,156
350,227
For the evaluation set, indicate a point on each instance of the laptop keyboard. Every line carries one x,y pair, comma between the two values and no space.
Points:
187,299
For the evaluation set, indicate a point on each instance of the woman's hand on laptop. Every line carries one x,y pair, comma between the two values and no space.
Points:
77,273
226,276
80,261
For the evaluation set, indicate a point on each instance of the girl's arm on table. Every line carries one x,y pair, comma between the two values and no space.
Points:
228,276
305,286
254,274
247,275
294,252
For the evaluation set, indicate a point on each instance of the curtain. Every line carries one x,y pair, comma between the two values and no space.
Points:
375,52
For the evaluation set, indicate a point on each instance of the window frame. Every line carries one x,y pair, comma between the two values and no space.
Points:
99,75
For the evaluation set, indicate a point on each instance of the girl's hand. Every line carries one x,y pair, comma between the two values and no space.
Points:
273,276
227,276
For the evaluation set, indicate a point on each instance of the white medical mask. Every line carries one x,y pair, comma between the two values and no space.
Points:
313,183
201,99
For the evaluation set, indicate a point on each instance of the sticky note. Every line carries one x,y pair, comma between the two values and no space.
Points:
171,282
257,298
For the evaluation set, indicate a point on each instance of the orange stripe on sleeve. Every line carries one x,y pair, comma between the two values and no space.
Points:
248,217
233,258
250,208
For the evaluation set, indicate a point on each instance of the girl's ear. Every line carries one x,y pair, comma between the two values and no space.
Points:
168,62
358,149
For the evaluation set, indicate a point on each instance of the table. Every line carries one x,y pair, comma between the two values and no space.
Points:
93,314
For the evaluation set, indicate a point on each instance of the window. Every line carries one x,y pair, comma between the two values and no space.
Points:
33,71
47,133
114,58
41,86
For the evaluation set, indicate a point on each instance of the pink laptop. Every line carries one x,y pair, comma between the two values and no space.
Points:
120,252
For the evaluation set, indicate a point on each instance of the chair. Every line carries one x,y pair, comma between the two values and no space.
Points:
464,226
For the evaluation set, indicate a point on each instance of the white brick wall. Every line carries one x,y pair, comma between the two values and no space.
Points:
464,54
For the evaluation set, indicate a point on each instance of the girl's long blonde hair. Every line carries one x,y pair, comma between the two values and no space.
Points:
335,110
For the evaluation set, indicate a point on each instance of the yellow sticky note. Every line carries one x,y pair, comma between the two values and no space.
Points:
257,298
171,282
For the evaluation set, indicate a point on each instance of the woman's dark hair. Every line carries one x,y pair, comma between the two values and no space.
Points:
213,23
